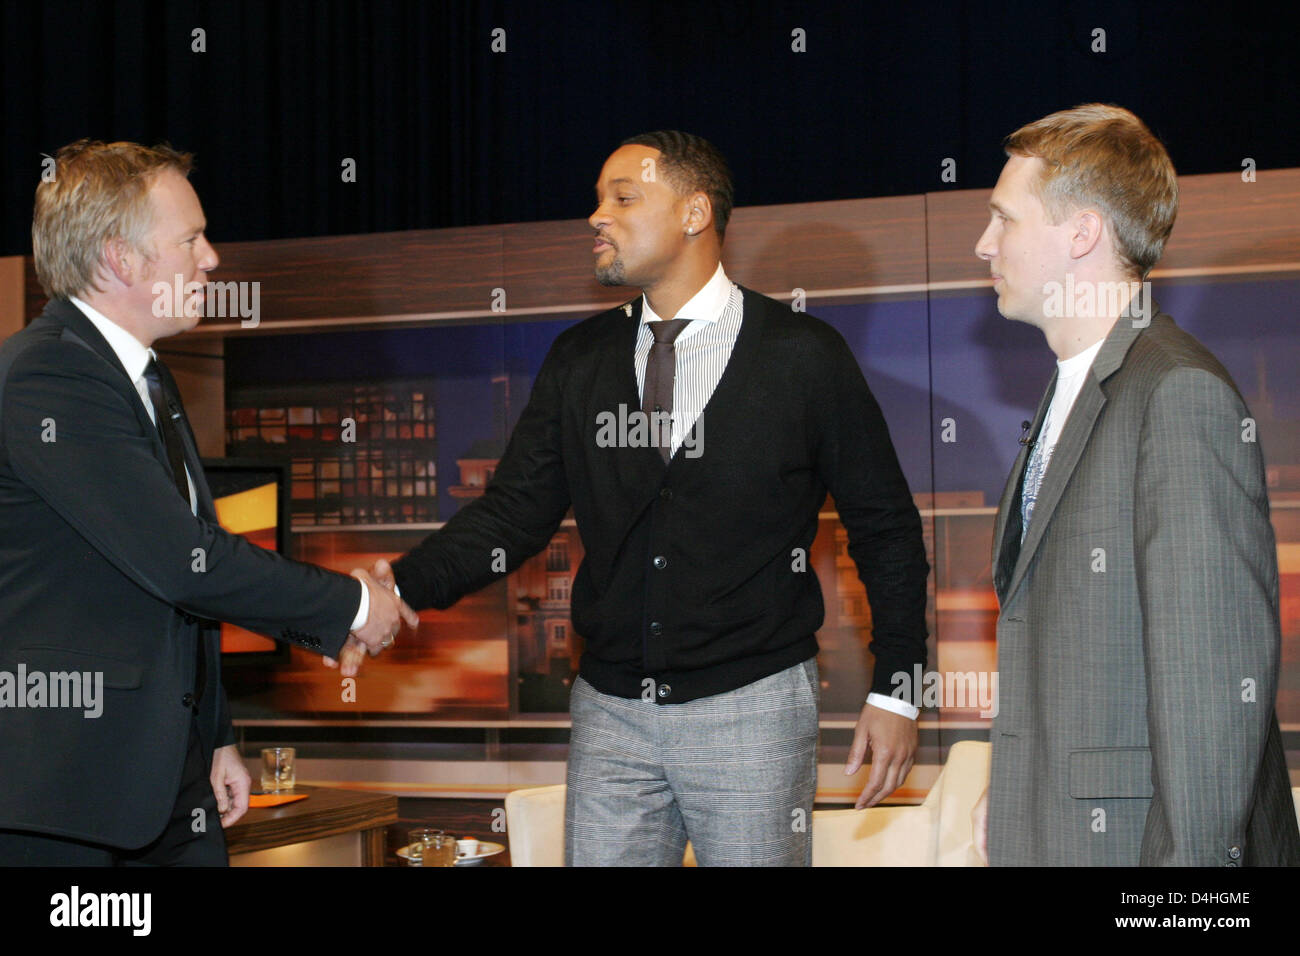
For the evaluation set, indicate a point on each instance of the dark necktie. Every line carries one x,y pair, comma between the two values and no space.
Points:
166,419
660,370
171,436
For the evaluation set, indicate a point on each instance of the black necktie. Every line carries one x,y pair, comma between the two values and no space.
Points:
660,370
167,411
171,436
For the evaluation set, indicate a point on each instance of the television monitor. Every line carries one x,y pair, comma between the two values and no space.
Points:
252,499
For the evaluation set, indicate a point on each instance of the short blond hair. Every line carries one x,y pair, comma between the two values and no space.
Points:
99,192
1103,155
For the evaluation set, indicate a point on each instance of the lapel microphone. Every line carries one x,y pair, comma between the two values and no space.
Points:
1024,432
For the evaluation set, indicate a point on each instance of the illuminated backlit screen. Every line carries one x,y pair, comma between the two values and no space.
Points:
250,500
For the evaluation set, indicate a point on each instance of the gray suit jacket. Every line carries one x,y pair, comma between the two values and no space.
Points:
1139,637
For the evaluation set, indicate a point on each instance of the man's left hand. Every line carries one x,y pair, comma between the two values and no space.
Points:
891,738
230,783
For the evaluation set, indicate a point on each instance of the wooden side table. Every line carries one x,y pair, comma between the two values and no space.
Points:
327,812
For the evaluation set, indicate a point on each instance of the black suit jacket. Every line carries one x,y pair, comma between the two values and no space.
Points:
105,570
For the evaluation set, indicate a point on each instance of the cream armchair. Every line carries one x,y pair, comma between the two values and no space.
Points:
936,833
535,827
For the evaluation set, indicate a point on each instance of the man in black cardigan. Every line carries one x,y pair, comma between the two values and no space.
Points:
695,713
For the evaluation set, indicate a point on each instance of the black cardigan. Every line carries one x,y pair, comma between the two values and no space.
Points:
692,583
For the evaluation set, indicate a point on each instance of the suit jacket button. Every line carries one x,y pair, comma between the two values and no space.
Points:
187,700
1234,852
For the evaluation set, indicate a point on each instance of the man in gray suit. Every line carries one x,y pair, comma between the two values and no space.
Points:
1133,558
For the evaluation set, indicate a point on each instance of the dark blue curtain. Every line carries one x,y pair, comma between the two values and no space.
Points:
446,132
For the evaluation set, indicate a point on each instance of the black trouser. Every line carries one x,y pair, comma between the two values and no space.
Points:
177,845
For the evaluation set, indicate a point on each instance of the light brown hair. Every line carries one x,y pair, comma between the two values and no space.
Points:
99,192
1103,155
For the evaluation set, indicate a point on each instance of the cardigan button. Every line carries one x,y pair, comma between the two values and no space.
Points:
656,628
664,690
660,562
665,493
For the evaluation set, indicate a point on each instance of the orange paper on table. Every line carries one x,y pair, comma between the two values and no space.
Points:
274,799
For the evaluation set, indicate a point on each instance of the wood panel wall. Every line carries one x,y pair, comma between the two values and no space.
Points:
836,251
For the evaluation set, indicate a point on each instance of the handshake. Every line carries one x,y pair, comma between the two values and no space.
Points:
387,612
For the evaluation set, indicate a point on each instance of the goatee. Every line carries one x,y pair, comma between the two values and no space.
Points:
611,274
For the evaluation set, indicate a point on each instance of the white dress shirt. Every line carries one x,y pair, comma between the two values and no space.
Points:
702,349
135,358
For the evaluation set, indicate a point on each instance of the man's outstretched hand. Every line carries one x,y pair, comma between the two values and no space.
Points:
383,573
350,657
387,614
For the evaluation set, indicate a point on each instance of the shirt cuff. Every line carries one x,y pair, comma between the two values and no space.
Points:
363,612
894,704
